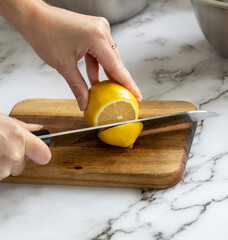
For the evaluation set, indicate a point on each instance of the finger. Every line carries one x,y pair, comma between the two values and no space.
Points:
92,68
18,168
116,70
116,51
29,126
77,84
111,42
35,149
4,171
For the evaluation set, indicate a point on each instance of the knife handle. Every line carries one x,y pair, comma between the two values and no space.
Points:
43,132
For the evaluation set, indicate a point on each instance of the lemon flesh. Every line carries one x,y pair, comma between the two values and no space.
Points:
122,135
110,102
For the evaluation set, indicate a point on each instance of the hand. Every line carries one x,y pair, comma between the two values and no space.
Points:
16,142
61,38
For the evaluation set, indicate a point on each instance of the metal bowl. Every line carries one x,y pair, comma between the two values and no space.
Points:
113,10
212,17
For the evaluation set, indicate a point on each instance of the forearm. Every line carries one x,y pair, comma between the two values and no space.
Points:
20,13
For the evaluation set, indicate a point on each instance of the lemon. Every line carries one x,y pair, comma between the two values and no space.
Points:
110,102
123,135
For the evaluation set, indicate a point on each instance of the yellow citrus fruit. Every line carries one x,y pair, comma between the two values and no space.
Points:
123,135
110,102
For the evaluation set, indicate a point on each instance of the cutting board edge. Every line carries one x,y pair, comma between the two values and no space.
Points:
25,101
168,179
90,183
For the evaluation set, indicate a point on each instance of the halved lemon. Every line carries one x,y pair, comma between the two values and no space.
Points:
110,102
123,135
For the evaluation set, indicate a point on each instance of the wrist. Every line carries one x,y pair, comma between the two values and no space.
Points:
21,13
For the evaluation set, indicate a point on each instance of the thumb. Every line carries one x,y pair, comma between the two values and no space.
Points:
35,149
29,126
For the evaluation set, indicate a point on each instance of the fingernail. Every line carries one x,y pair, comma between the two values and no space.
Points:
41,126
81,103
138,93
138,99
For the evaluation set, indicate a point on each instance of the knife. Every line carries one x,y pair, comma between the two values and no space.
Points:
148,123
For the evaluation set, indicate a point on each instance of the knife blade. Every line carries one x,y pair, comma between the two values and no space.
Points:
148,123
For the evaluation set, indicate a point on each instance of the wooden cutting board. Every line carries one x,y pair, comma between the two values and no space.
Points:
157,159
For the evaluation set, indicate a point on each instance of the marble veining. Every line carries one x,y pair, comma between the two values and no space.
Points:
169,58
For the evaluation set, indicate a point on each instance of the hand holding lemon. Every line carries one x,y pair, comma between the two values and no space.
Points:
110,102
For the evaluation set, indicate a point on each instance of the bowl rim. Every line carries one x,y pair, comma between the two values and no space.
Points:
215,3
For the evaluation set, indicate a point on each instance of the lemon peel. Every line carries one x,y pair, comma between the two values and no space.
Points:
110,102
122,135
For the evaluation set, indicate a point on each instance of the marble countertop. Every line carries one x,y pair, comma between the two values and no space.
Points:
169,58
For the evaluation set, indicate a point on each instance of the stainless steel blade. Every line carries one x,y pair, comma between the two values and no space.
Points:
148,123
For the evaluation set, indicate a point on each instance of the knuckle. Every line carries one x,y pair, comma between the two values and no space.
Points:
17,131
104,23
102,27
116,66
16,156
15,152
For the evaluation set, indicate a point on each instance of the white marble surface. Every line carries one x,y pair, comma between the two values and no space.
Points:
169,58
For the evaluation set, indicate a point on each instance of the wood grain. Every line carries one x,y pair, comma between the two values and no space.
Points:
157,159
